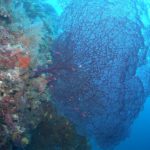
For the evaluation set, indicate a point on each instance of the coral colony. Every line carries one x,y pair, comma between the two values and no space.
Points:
70,76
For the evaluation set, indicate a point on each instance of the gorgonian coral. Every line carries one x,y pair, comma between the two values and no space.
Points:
102,95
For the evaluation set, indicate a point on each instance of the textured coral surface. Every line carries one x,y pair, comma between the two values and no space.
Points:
71,71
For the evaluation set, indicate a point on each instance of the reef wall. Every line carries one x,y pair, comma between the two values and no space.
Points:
26,36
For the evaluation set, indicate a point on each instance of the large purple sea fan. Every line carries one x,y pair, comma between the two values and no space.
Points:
102,95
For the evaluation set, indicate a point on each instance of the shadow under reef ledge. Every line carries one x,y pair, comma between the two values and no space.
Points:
54,132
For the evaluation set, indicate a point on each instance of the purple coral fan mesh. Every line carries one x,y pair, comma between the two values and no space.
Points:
102,96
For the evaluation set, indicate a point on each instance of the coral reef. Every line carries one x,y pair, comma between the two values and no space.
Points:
85,64
18,104
25,44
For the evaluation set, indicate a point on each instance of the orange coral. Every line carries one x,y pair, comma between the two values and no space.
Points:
15,58
23,61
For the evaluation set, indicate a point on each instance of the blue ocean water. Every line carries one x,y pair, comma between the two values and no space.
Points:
140,132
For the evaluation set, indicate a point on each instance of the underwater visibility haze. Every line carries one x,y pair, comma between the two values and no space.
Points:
74,74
